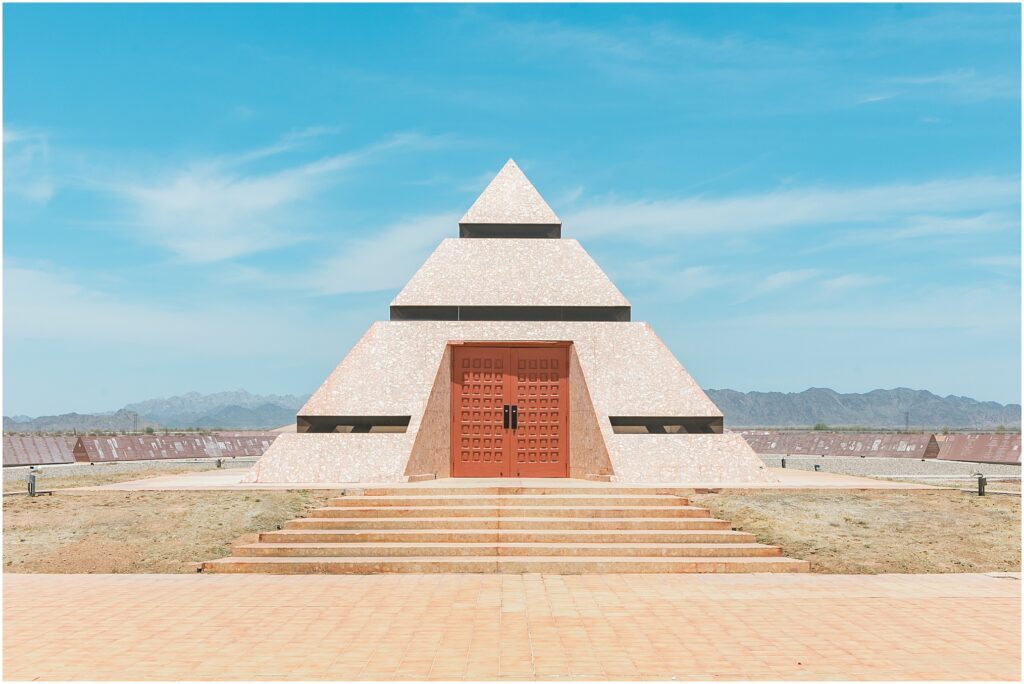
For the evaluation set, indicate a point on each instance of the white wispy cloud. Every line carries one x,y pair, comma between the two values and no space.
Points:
583,43
382,261
901,205
989,310
931,228
665,276
868,99
964,83
999,261
288,142
852,281
47,303
27,173
44,302
649,54
779,281
786,278
213,210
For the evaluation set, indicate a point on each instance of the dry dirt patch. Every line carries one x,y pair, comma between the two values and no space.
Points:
139,532
880,531
54,479
972,484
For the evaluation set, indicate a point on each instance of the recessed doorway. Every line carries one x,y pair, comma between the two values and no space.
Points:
510,410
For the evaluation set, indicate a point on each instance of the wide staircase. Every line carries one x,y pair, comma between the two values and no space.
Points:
565,530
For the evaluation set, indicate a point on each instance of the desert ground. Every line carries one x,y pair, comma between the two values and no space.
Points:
838,531
53,479
880,531
81,531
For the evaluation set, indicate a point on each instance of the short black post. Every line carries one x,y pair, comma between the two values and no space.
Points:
981,485
783,463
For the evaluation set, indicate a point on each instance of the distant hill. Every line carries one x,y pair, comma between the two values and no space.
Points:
117,421
878,408
232,410
238,409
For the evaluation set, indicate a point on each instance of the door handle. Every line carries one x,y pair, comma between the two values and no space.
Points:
505,412
515,416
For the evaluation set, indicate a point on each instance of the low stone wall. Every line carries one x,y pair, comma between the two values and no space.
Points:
73,469
891,467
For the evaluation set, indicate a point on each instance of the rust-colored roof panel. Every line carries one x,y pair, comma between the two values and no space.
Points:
879,444
991,448
154,447
22,450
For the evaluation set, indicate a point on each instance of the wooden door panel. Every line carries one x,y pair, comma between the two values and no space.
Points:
540,385
480,443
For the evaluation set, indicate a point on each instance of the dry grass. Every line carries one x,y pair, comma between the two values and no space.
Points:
972,484
138,532
880,531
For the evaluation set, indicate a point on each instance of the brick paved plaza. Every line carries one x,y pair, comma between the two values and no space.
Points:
462,626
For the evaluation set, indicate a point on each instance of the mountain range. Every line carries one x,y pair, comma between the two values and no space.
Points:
875,409
238,409
230,410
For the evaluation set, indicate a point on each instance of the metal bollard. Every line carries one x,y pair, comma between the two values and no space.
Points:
783,463
32,482
981,485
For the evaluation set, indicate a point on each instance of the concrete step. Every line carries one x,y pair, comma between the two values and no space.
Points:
510,500
511,536
508,529
511,511
523,490
520,523
516,564
405,549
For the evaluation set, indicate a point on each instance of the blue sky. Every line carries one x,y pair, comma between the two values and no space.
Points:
218,197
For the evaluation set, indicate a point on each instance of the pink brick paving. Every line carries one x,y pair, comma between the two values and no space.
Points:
511,626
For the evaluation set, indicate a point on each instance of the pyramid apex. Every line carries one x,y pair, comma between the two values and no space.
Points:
510,207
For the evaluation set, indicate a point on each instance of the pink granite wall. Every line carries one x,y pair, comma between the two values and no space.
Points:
588,455
686,459
431,452
334,457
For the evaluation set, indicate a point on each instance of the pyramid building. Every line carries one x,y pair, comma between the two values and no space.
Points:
510,354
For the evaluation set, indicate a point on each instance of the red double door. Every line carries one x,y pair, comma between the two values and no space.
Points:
510,410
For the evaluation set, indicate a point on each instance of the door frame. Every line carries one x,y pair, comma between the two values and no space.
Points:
509,344
506,344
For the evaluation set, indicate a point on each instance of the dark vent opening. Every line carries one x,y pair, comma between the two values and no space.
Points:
510,230
661,425
617,314
352,423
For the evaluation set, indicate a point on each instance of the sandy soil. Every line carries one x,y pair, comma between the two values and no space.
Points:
864,531
136,532
880,531
972,484
54,480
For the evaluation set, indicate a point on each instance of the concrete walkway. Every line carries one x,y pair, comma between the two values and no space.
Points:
907,627
232,480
